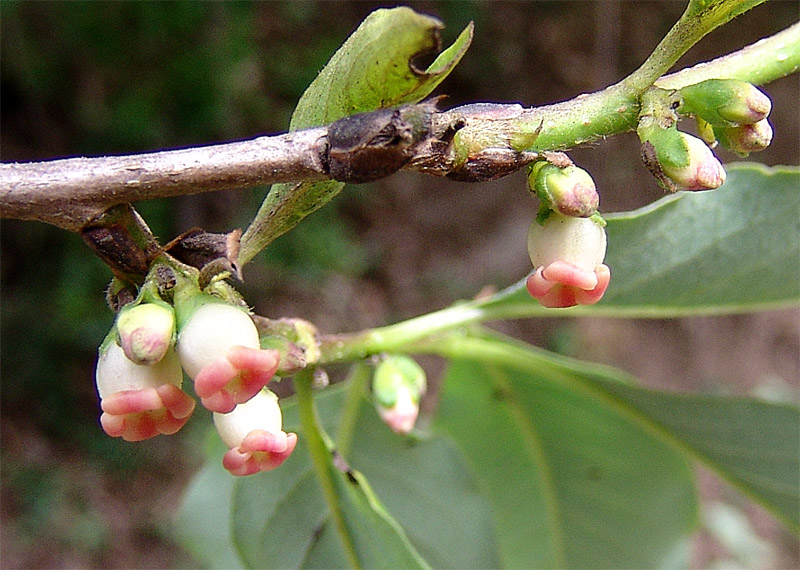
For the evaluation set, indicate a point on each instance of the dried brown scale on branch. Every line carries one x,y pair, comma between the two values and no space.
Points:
69,193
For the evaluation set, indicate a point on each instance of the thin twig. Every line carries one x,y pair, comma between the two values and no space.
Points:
493,140
71,192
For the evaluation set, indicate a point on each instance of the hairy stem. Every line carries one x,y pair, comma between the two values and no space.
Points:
699,19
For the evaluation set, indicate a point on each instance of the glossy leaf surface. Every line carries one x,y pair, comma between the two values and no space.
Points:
575,480
558,410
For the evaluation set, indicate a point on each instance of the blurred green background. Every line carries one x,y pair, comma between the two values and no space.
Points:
92,78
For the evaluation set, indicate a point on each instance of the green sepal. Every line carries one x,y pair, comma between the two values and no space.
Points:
670,147
723,102
393,372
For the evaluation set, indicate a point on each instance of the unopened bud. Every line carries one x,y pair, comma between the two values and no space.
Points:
725,102
398,384
569,191
745,139
679,160
146,331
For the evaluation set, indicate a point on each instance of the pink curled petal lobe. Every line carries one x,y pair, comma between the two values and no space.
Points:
570,275
261,440
592,296
245,358
235,378
221,402
242,463
135,415
214,377
561,285
177,402
537,285
131,402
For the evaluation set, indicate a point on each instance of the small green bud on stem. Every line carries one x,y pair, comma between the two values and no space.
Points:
398,384
725,102
569,191
679,160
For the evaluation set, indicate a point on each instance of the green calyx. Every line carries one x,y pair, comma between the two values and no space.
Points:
396,372
724,102
669,144
569,190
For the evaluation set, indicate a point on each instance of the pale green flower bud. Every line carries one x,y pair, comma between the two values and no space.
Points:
146,331
219,348
253,432
725,102
211,331
140,402
567,255
117,373
679,160
745,139
261,412
569,191
398,384
579,241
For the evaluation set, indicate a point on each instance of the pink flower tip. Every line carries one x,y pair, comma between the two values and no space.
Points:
235,378
403,415
563,284
135,415
254,435
259,451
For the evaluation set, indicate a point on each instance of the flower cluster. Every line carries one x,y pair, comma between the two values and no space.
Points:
567,240
140,372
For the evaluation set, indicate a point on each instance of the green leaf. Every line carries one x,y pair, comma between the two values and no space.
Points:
428,489
564,420
575,479
734,249
203,522
281,519
373,69
751,443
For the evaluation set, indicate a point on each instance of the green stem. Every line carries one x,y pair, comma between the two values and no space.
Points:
759,63
358,378
392,338
700,18
615,109
318,448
